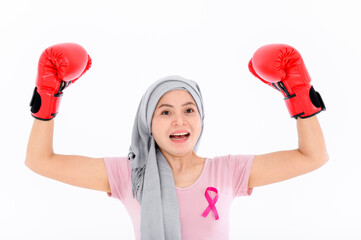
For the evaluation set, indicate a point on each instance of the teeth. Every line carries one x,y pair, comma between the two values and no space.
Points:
179,134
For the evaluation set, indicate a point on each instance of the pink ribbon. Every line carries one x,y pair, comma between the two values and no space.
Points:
211,202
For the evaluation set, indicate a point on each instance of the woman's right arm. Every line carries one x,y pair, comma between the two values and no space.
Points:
59,66
76,170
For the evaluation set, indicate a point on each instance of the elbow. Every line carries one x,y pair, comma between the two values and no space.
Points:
30,158
34,162
35,155
326,158
320,160
29,163
316,160
38,163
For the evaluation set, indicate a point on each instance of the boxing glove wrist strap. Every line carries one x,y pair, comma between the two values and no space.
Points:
304,103
44,105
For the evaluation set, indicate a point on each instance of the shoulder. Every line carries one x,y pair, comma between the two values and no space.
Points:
117,165
116,160
118,171
230,160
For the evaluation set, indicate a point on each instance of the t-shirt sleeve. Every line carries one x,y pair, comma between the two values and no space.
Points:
240,167
118,170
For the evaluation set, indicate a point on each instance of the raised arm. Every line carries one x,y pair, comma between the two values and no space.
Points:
79,171
278,166
59,66
281,67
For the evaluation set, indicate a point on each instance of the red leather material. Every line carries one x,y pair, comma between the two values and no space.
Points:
282,67
59,65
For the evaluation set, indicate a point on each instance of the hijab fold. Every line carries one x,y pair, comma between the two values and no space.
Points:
151,176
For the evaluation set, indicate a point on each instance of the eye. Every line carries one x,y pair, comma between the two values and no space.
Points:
189,110
165,113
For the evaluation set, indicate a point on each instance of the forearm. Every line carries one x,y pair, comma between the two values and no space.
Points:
40,144
311,142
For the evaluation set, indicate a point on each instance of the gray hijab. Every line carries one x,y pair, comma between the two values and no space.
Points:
152,178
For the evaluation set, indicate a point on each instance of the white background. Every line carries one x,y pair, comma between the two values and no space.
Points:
134,43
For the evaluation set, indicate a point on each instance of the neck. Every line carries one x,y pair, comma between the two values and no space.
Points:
181,163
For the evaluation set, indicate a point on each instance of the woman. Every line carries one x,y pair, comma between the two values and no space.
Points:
169,191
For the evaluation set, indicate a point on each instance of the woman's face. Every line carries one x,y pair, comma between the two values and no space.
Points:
176,113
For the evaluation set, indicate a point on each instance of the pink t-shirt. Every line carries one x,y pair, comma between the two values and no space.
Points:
228,174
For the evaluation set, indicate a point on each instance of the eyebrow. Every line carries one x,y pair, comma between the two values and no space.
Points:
168,105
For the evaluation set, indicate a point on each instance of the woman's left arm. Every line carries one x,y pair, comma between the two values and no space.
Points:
278,166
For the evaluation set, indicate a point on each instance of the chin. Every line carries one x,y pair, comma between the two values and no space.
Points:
177,152
176,149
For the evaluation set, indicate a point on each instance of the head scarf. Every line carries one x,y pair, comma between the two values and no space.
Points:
152,178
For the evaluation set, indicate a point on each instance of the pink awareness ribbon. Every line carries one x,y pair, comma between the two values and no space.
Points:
211,202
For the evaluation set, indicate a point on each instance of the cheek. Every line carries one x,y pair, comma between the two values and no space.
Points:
157,128
198,126
154,129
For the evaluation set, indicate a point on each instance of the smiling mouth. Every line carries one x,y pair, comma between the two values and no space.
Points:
179,136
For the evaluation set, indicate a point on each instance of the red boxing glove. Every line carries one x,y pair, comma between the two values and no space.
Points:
59,66
281,66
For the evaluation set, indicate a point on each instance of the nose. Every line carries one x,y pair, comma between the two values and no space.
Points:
178,120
